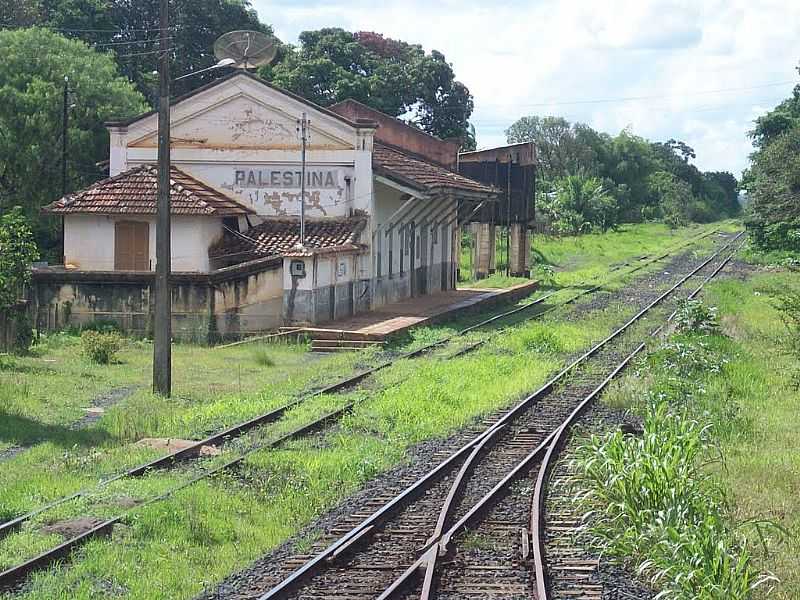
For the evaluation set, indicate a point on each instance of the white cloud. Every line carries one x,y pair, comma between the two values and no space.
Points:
517,55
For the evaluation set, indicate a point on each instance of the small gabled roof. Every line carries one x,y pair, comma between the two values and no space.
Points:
419,174
135,192
280,236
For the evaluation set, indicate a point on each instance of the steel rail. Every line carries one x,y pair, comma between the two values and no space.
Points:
239,429
556,439
371,523
431,553
581,294
15,574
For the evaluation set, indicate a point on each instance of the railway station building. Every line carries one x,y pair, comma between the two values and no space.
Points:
384,208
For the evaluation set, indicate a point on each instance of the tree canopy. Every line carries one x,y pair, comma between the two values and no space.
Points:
639,179
35,62
129,30
773,179
389,75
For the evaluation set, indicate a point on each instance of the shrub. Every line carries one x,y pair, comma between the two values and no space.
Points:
262,358
100,347
655,503
789,307
695,317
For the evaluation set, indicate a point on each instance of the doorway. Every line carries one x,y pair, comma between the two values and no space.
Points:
132,246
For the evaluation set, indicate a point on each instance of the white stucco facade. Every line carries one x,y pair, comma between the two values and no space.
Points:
239,137
242,139
89,241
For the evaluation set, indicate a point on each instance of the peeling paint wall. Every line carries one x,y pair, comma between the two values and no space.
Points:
202,310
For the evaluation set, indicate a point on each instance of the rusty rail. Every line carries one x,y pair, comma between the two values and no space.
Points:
438,540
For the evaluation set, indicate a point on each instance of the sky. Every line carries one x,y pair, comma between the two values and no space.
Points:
698,71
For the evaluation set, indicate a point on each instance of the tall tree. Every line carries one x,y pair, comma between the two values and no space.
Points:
389,75
774,187
129,29
35,62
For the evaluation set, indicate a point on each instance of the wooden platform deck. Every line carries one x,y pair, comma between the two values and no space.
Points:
393,319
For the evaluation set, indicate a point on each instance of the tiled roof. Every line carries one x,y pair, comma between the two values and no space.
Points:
420,174
280,236
135,192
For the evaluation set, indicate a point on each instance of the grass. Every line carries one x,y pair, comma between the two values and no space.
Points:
220,525
570,260
743,384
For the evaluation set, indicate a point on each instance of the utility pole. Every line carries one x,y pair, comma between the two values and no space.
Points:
303,129
162,332
64,149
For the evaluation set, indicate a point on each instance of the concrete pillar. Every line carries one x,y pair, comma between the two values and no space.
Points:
484,250
520,251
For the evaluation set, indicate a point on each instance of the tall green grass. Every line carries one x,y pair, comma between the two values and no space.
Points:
657,506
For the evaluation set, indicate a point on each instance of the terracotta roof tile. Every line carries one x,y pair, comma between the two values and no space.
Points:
135,192
420,174
280,236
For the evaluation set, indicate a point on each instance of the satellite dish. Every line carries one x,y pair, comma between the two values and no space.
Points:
248,49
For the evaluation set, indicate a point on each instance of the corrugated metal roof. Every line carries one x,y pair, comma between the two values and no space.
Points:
135,192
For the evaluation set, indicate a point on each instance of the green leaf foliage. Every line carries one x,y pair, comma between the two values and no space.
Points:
389,75
17,252
35,62
645,180
129,29
774,216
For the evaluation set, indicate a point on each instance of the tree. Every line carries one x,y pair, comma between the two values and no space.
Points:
562,149
389,75
17,252
783,118
32,72
129,29
673,198
774,218
578,204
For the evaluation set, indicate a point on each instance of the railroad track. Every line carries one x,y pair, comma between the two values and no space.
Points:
17,574
560,570
413,544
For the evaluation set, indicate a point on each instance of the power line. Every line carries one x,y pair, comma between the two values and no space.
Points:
661,96
129,43
147,52
70,30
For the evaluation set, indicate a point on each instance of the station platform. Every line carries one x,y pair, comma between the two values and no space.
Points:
377,326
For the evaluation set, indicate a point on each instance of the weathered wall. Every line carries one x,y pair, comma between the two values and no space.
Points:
236,134
330,290
89,241
403,267
396,133
232,302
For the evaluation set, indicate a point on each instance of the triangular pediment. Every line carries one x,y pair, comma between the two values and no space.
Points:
244,114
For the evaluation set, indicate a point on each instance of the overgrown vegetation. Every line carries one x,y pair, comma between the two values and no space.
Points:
773,180
656,506
17,251
218,526
100,347
592,180
704,502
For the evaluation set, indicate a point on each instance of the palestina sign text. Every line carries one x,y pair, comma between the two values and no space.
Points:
275,190
260,178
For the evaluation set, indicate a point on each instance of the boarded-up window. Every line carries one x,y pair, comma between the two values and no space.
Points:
131,246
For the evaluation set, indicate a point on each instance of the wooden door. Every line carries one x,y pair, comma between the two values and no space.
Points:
131,246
